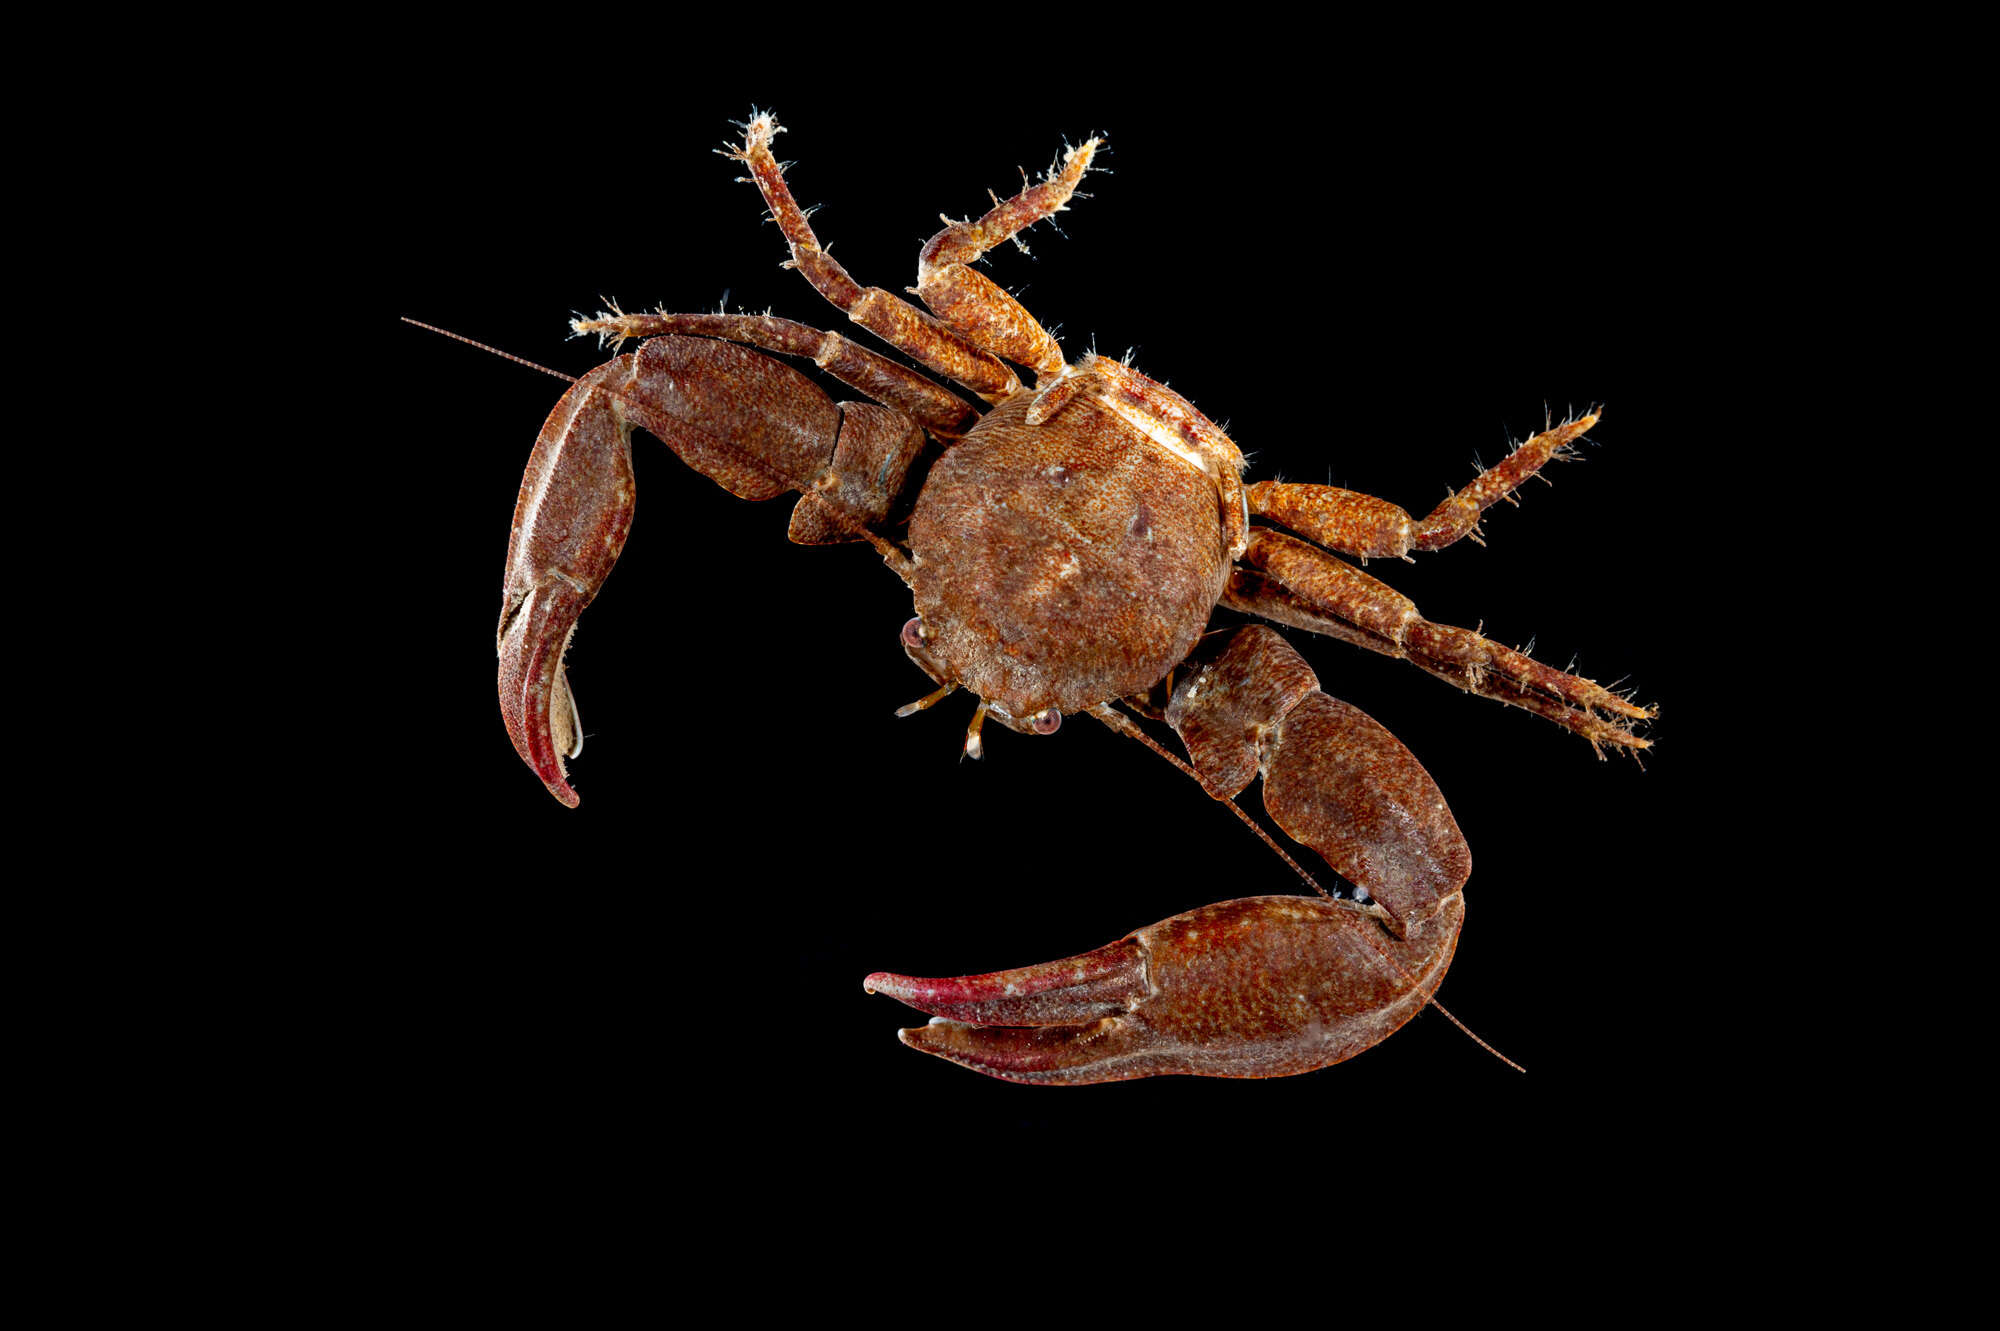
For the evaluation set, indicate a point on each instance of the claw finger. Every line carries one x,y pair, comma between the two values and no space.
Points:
1113,1049
1096,984
534,694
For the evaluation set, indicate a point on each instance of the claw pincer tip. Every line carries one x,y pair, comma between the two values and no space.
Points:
1096,984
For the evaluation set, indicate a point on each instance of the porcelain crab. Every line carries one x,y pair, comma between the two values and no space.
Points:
1067,542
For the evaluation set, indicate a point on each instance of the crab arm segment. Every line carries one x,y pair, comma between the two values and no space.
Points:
1335,779
873,455
570,523
1257,987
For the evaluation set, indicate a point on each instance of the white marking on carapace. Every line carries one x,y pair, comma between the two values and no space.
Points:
1159,432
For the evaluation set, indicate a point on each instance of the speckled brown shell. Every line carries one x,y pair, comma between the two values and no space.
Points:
1063,564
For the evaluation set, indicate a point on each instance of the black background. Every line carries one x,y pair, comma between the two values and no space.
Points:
1368,286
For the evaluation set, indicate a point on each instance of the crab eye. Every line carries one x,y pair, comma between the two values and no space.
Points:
913,633
1045,721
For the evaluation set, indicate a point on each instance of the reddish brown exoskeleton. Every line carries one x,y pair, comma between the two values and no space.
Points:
1067,542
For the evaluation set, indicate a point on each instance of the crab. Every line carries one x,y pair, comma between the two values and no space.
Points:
1067,541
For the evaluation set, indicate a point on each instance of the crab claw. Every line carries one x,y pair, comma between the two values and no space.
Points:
570,525
1257,987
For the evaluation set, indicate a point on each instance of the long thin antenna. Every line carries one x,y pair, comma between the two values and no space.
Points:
504,355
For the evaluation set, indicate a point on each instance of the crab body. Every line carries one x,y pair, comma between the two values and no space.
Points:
1063,565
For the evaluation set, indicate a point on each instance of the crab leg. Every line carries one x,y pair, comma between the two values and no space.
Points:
1283,578
920,336
1364,526
937,409
1258,987
970,301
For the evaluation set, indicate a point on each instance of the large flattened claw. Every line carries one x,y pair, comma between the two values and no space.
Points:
570,524
755,427
1257,987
